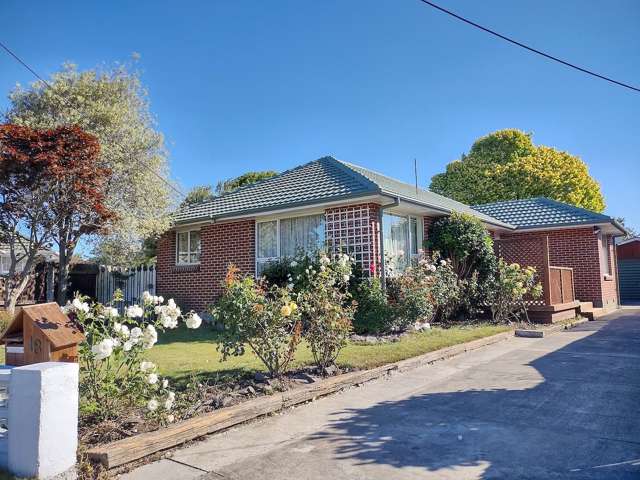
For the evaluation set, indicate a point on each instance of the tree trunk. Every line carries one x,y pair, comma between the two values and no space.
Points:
63,271
14,294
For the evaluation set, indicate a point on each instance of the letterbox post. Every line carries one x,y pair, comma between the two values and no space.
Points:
43,420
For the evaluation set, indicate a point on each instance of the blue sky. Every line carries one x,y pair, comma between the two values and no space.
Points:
246,85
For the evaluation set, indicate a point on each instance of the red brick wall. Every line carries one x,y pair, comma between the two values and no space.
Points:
195,287
577,248
355,229
427,223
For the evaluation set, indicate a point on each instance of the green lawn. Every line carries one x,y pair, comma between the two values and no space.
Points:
182,352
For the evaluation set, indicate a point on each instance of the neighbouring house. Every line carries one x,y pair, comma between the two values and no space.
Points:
36,290
628,253
342,207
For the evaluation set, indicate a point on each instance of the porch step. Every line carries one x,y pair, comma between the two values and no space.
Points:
588,311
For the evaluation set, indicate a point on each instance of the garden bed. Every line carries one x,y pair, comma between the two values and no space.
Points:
190,360
410,351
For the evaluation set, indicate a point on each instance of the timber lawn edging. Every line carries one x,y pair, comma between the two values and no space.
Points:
126,450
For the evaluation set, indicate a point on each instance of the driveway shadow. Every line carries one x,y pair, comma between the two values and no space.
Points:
572,413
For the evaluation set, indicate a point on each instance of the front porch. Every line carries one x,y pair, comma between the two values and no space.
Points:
558,301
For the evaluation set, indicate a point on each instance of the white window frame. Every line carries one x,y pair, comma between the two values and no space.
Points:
605,256
259,260
8,257
419,234
188,251
19,264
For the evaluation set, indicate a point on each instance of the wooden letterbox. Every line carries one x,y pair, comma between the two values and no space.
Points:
41,333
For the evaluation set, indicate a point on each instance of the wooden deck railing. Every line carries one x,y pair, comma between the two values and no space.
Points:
560,285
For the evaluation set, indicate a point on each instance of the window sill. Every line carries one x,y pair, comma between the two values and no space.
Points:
194,267
608,278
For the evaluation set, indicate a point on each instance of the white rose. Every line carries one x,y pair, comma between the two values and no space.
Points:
126,346
165,383
103,349
193,321
149,337
152,405
124,331
110,312
80,306
168,404
346,277
146,366
171,396
170,418
152,379
134,311
136,332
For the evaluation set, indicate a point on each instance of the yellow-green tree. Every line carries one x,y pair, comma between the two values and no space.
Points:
506,165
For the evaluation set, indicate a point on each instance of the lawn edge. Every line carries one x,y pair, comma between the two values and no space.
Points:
542,332
127,450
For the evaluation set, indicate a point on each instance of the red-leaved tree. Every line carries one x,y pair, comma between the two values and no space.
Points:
52,190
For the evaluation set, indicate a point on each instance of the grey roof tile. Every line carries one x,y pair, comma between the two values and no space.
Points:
541,212
322,180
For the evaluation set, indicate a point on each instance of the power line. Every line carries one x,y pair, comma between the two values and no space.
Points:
48,85
531,49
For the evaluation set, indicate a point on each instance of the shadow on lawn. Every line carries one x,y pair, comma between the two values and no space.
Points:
581,421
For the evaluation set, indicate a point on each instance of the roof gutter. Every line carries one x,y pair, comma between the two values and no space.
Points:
449,211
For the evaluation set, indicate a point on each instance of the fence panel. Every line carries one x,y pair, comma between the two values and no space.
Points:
132,282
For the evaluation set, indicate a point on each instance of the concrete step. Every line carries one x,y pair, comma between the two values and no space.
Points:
586,310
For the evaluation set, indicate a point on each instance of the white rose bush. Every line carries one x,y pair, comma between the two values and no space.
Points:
115,376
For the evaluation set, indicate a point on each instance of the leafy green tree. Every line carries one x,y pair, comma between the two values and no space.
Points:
506,165
111,104
198,194
246,179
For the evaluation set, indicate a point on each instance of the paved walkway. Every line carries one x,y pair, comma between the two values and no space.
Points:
565,406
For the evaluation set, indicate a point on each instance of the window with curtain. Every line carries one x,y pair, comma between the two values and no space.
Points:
188,247
401,241
286,237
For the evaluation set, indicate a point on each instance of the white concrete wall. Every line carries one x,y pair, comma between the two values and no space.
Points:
43,419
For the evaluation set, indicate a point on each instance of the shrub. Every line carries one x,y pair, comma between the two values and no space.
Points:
510,286
114,374
424,290
327,308
463,240
262,317
373,313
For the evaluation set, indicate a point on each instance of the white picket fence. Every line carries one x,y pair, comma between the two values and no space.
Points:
132,282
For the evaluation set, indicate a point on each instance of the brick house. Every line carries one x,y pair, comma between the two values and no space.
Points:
325,203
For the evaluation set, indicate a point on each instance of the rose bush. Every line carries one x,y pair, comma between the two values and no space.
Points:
327,307
114,374
511,285
265,318
422,291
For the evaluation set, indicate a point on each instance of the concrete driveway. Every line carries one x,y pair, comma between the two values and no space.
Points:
565,406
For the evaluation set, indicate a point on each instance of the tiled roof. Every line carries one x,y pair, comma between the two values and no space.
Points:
541,212
322,180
